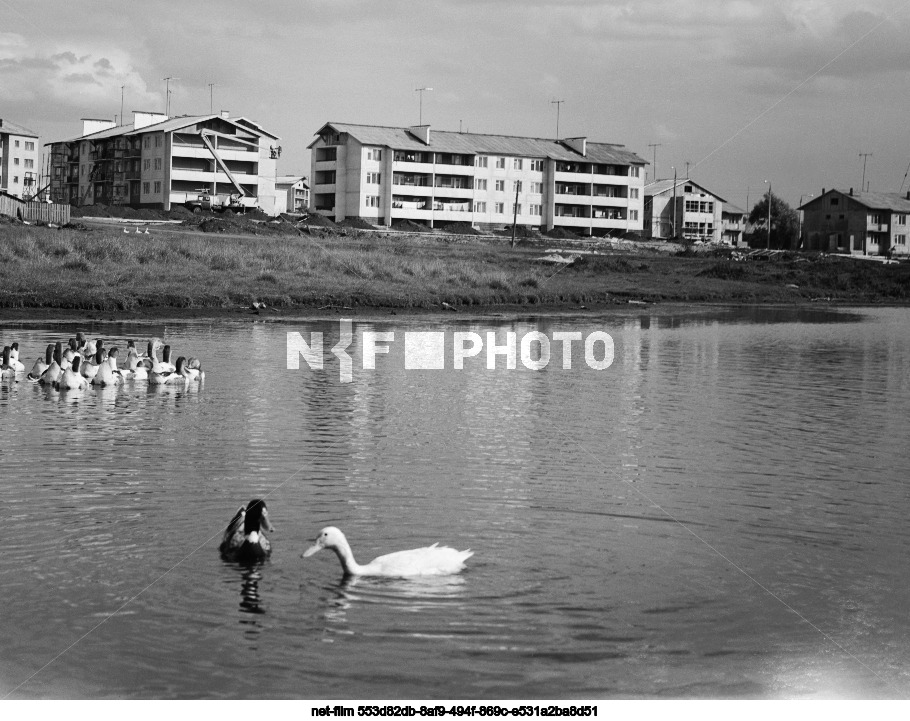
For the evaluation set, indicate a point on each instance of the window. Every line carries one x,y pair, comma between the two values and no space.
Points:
633,215
374,154
633,193
157,186
29,146
707,207
480,184
29,163
501,163
834,201
516,208
15,179
516,185
691,206
146,187
500,208
373,178
634,171
536,188
900,219
82,169
481,161
16,160
480,207
17,144
372,201
537,165
875,219
688,188
500,186
157,141
900,239
157,163
517,163
147,141
146,164
535,209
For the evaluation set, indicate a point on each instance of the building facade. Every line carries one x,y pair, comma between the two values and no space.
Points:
734,225
20,160
157,162
683,209
857,223
293,193
384,175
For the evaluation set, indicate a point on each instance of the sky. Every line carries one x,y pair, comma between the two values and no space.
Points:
745,91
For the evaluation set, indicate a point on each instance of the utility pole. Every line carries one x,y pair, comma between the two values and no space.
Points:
687,169
769,213
864,156
515,211
674,201
211,98
121,103
167,94
654,146
557,103
421,91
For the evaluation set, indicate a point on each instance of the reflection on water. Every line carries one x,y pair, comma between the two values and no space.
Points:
644,531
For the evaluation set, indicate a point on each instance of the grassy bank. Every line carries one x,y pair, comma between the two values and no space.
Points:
105,269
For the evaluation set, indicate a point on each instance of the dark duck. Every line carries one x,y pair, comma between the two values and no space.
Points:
244,539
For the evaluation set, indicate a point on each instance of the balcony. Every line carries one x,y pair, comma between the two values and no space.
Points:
453,169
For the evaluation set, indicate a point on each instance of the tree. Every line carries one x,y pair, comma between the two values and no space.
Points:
784,224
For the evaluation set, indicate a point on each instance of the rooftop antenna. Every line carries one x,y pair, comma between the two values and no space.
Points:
557,103
421,91
211,98
687,169
167,94
864,156
121,103
655,146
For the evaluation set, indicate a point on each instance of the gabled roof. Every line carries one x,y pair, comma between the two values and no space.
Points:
290,180
874,201
169,125
445,141
732,209
12,128
659,187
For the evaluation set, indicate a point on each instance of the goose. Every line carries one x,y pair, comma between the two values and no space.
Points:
244,539
194,369
67,359
89,369
80,341
166,359
14,358
150,361
42,364
72,380
53,372
134,369
107,374
7,372
433,560
170,377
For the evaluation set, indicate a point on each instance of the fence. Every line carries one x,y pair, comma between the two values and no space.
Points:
34,211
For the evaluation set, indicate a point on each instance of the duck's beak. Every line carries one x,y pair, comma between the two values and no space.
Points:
312,549
266,523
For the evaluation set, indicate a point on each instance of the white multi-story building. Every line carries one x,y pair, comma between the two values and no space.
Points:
293,193
157,162
20,165
384,175
683,209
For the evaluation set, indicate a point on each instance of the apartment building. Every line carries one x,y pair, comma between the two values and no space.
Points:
389,174
857,223
20,160
293,193
683,208
158,162
734,224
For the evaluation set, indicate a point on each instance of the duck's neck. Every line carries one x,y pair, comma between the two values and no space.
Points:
346,556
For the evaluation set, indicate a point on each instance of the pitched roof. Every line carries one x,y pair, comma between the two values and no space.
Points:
732,209
290,180
874,201
166,126
446,141
11,128
662,186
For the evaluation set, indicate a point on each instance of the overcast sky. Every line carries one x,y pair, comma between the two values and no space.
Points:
745,90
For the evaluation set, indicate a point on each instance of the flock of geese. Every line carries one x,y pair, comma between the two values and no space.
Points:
88,362
245,541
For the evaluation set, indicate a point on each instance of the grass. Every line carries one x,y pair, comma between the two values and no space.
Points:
108,270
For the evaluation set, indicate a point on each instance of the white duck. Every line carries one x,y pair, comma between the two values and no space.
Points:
430,561
53,372
134,369
168,377
7,372
42,364
107,373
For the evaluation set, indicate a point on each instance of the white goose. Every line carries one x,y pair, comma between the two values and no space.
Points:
42,364
14,358
72,379
430,561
